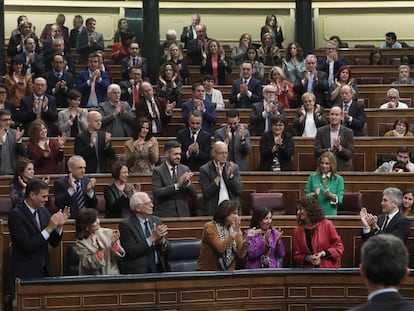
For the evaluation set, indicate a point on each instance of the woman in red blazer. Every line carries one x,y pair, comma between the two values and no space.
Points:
316,242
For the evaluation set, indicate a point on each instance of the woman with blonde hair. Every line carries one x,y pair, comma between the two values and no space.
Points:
175,55
284,89
273,28
215,63
269,53
309,117
238,51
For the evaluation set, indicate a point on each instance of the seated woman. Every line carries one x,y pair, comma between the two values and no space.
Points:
24,173
222,240
214,62
276,147
407,203
118,193
316,242
72,120
98,248
175,55
169,84
266,249
237,54
18,82
284,89
268,53
400,129
326,185
375,58
258,67
293,63
338,42
141,152
343,76
45,153
211,94
272,27
309,117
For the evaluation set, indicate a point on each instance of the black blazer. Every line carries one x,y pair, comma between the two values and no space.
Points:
319,89
254,86
61,94
386,302
284,153
221,70
357,111
257,120
204,142
116,203
398,226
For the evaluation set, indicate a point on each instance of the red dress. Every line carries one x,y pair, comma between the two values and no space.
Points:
42,164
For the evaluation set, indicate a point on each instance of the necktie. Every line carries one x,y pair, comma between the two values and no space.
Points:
245,81
194,138
173,175
152,267
232,145
136,95
385,223
147,229
58,76
93,99
346,107
39,108
155,116
37,219
134,61
310,83
79,195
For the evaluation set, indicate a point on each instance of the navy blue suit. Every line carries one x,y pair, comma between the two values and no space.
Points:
209,115
125,69
357,112
398,226
254,86
204,142
62,197
37,67
85,89
385,302
61,94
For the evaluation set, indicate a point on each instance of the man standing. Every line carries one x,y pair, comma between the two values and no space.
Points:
237,138
331,63
189,32
206,108
143,237
246,90
337,139
133,60
390,221
117,115
130,89
384,265
219,180
75,190
403,162
89,41
33,62
77,29
198,46
353,111
195,142
95,145
263,111
171,184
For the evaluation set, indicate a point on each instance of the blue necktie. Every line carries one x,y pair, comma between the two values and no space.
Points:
152,266
310,83
79,195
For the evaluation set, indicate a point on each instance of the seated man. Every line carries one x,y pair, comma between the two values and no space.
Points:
403,76
393,97
402,163
391,41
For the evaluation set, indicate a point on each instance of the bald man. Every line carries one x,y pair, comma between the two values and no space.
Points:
94,145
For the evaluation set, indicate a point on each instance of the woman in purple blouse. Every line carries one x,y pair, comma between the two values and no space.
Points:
266,249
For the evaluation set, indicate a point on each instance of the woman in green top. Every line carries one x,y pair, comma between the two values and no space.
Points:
326,185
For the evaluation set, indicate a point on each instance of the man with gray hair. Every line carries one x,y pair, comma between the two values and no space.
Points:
384,265
331,63
170,38
403,76
391,221
117,117
144,238
393,97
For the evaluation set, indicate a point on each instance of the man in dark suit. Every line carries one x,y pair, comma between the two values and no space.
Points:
331,63
237,138
219,180
195,142
143,237
32,230
48,43
263,111
77,29
89,41
33,62
246,90
391,221
207,109
171,184
155,109
39,106
95,145
189,32
311,81
337,139
353,111
75,190
59,48
384,265
198,46
15,45
92,83
133,60
47,31
130,89
59,82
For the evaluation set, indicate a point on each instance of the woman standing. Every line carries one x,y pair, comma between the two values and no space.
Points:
222,240
342,77
266,248
271,26
72,120
293,62
269,53
122,29
169,84
45,153
238,52
98,248
284,89
316,242
18,82
326,185
175,55
141,152
309,117
24,173
276,147
214,62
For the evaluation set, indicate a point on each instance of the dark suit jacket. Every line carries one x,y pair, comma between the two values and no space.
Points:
85,89
257,120
319,89
398,226
141,111
254,86
69,63
356,110
324,66
127,93
83,47
285,153
221,70
209,116
116,203
48,48
13,151
26,115
168,201
30,254
194,161
61,94
16,40
187,36
135,245
37,68
211,190
125,69
62,197
73,37
194,52
323,143
83,148
386,302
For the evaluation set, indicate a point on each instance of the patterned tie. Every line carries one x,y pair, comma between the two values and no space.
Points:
155,116
79,195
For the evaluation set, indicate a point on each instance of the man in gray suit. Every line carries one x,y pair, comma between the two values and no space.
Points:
219,180
171,184
143,237
89,41
237,138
